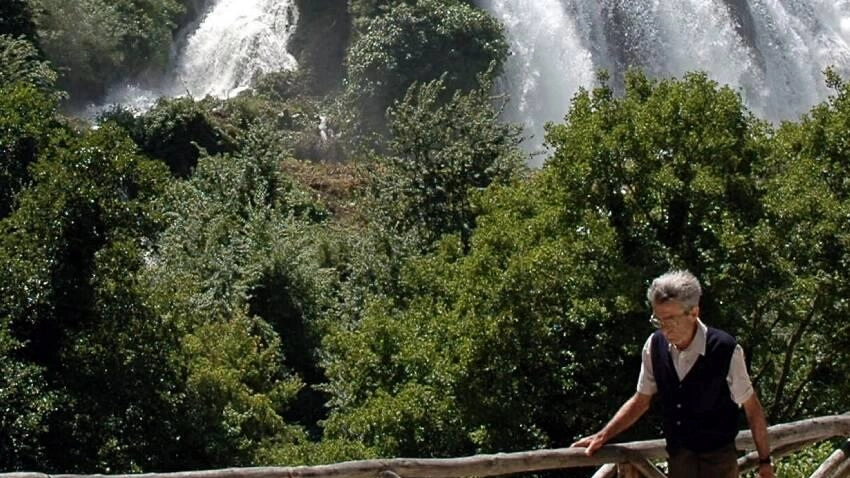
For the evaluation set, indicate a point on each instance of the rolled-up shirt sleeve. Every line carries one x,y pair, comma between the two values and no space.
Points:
646,380
740,385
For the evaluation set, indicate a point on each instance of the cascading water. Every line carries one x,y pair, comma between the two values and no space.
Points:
550,59
234,41
772,51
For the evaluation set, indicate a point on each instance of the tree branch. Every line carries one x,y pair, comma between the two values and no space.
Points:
789,356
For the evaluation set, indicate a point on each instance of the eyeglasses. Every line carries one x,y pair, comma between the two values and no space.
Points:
658,322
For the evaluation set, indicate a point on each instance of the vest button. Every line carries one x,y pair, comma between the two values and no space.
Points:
678,422
678,405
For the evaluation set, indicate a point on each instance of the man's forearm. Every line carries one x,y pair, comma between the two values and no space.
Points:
758,426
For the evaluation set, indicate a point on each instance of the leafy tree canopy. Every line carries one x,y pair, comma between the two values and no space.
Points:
16,19
419,42
94,43
26,404
69,251
233,273
27,122
532,337
175,131
440,153
20,61
220,319
798,333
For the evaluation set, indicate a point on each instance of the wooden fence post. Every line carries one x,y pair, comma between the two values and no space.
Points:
645,467
627,470
608,470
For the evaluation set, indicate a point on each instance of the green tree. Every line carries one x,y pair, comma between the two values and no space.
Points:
234,273
440,154
174,131
418,43
363,11
16,19
70,251
237,392
531,337
21,62
28,114
27,121
26,404
94,43
801,339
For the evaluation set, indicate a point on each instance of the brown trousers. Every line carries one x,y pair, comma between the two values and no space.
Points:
721,463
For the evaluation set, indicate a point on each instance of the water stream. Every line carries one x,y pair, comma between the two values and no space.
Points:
772,51
219,56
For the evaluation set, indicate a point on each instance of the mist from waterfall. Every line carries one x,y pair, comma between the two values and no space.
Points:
220,53
772,51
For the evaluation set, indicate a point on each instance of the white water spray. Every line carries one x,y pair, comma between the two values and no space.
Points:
772,51
550,59
235,41
232,43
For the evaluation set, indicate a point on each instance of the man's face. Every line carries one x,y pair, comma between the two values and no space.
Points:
677,325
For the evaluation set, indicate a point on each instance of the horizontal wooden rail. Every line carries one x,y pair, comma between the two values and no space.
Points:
814,429
750,461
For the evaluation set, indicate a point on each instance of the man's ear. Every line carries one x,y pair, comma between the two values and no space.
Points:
695,311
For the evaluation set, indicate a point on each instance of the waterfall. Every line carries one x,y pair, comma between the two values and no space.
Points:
236,40
220,55
772,51
550,59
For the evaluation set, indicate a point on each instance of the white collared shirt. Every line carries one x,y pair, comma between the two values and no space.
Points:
740,385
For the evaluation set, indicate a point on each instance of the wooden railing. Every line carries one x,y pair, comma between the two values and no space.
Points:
633,459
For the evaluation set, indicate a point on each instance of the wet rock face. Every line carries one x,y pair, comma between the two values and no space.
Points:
742,18
321,40
631,38
193,10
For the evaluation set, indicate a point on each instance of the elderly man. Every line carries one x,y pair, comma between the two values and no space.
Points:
700,375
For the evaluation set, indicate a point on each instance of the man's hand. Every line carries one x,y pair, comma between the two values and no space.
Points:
766,471
591,442
625,417
758,426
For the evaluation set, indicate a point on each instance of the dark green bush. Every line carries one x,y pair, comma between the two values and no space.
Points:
20,61
418,43
16,19
94,43
27,121
174,131
440,154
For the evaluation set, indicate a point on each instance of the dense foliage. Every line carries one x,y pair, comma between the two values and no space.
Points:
16,19
418,42
22,62
517,342
29,106
175,131
94,43
233,283
439,154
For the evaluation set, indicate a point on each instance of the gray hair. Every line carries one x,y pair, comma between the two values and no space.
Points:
680,285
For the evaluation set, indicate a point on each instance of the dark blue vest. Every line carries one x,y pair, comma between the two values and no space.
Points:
698,411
